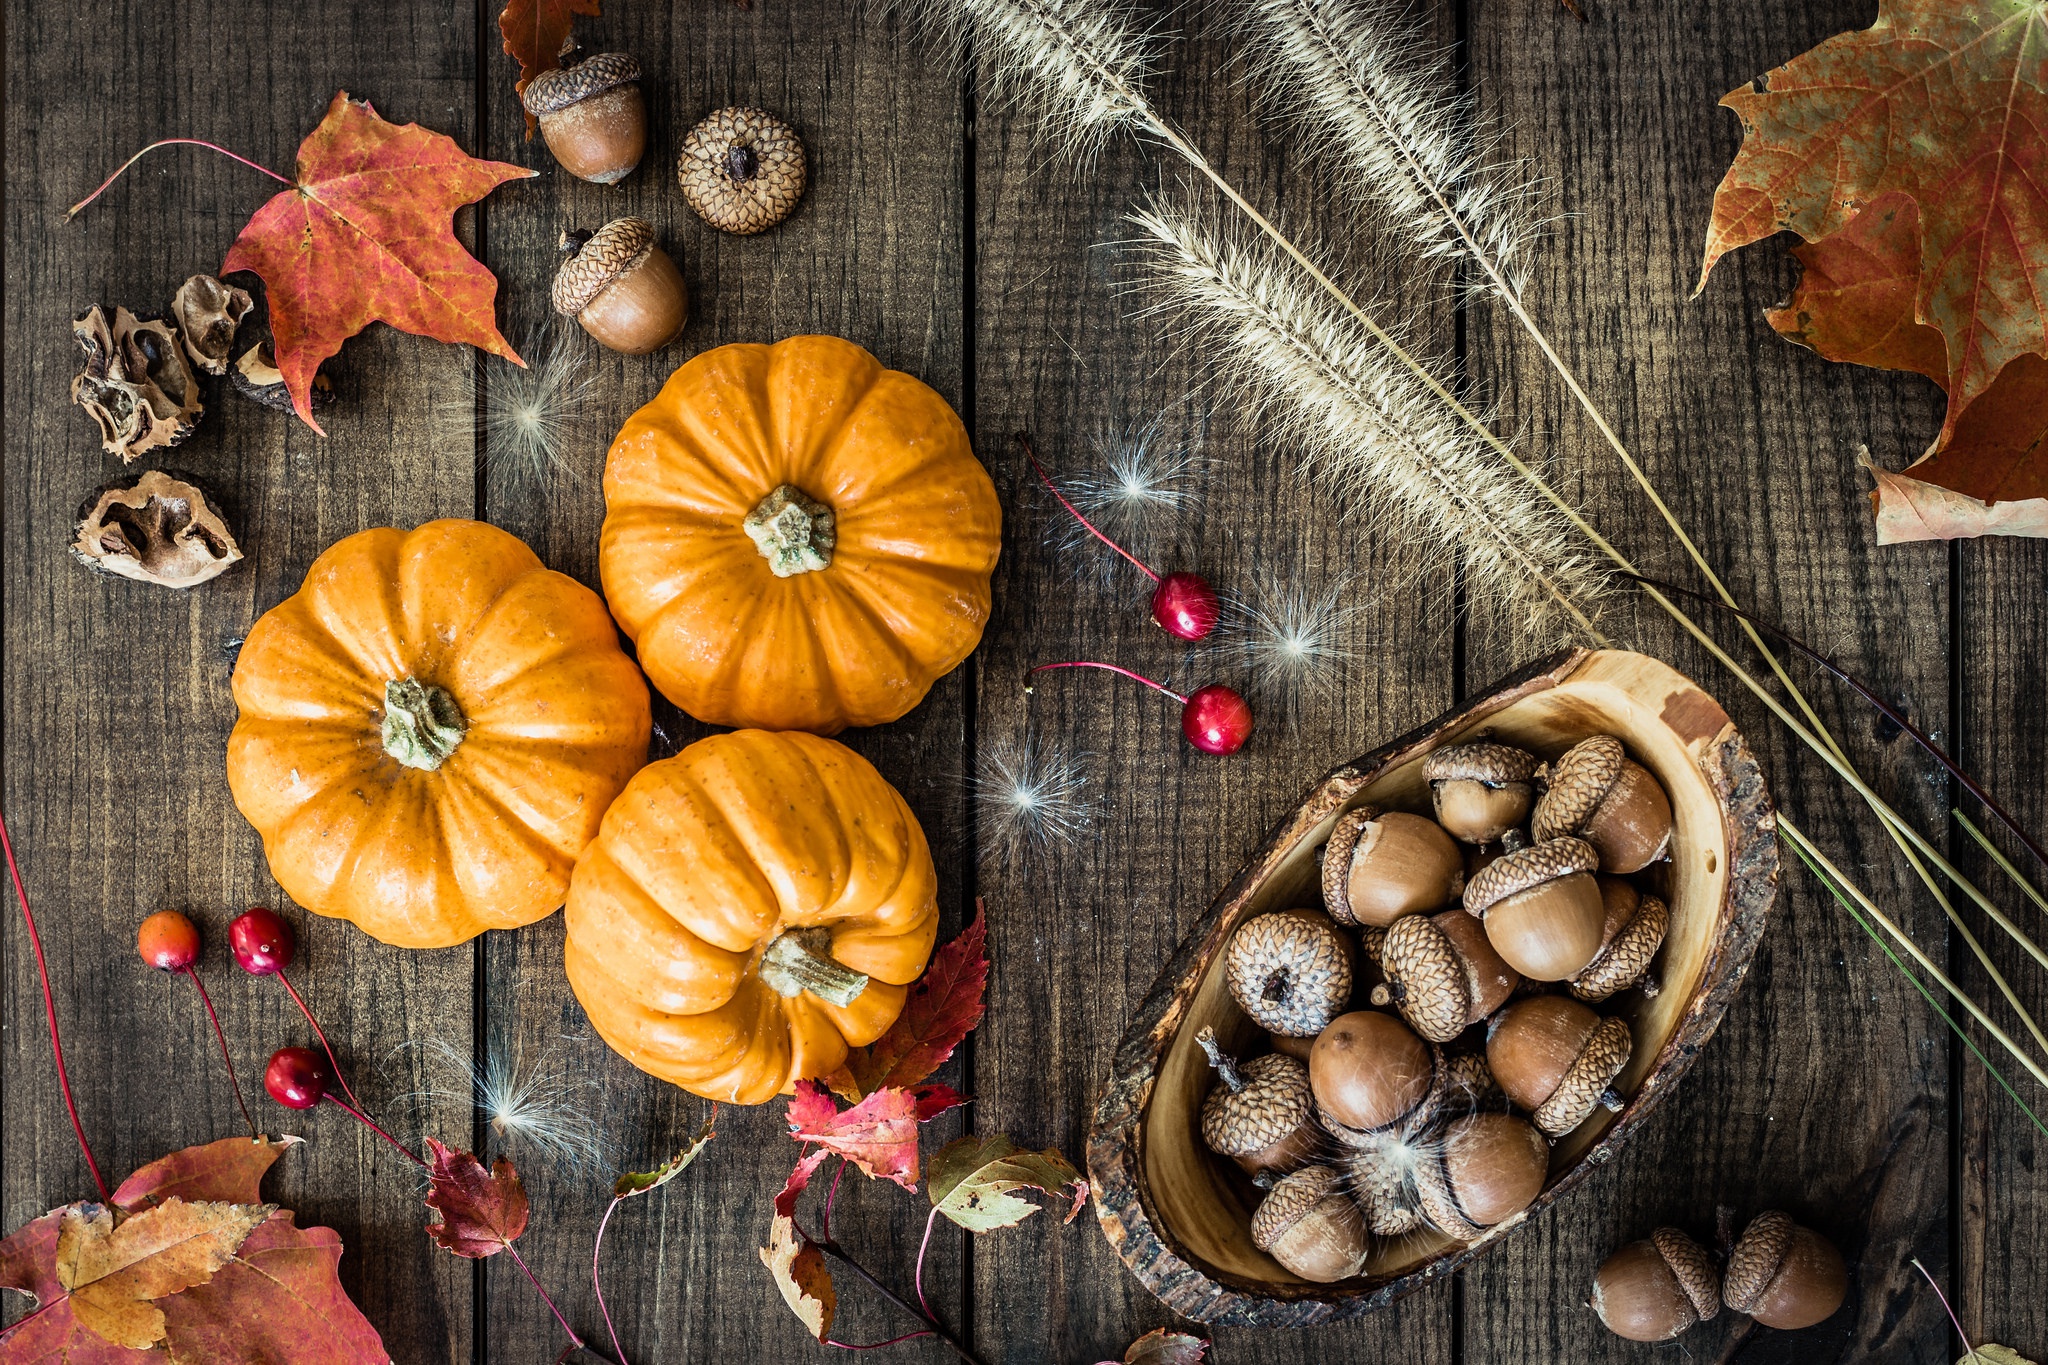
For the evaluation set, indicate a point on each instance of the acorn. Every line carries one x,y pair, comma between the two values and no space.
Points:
1261,1113
1442,974
1557,1059
1655,1289
1784,1275
1381,865
1633,933
742,170
1481,790
1370,1073
1488,1168
591,116
1469,1084
622,287
1542,908
1597,792
1291,972
1309,1225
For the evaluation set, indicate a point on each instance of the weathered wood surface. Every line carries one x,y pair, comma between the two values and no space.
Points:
941,234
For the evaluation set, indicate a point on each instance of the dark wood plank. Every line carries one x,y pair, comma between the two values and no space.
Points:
1078,935
117,701
1826,1092
873,254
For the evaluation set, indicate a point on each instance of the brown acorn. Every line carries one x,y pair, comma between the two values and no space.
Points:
742,170
1291,971
622,287
1542,908
1381,865
1597,792
1634,931
1482,790
1442,974
1784,1275
1309,1225
1370,1073
1260,1113
591,116
1655,1289
1488,1168
1557,1059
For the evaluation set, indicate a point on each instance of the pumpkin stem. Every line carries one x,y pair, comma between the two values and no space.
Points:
801,960
794,533
422,723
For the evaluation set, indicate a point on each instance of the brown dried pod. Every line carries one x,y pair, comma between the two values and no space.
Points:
1557,1059
1291,971
1260,1113
207,313
1597,792
1487,1169
1309,1225
1784,1275
1370,1073
257,378
622,287
1381,865
137,385
742,170
1655,1289
1442,974
1542,908
592,116
1482,790
1634,931
155,528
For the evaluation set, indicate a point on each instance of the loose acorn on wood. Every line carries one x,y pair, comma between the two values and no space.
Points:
1260,1113
1381,865
1291,971
1655,1289
1634,931
1784,1275
1597,792
622,287
1442,973
1309,1225
1482,790
1557,1059
1542,908
592,116
1488,1168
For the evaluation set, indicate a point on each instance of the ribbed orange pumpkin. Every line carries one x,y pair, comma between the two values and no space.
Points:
431,729
752,908
797,538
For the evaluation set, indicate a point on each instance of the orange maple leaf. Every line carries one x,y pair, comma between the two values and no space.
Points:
535,33
366,234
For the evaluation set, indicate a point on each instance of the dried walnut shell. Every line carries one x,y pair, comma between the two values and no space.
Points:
208,313
155,528
137,384
743,170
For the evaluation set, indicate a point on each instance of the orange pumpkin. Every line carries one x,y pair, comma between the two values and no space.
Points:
752,908
797,538
431,729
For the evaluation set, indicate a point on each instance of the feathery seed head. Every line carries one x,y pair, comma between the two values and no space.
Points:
1294,639
539,1104
535,420
1031,798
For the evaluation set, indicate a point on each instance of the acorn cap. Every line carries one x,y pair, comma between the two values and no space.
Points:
1586,1079
1756,1260
1575,786
1337,861
1289,1201
1273,1101
1469,1081
1496,764
1692,1267
1439,1205
613,250
1379,1186
742,170
1543,862
1435,992
1625,957
553,91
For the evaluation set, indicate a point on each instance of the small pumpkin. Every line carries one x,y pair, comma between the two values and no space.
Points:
797,538
751,908
430,731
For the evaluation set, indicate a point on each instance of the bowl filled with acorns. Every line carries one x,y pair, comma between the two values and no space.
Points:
1451,982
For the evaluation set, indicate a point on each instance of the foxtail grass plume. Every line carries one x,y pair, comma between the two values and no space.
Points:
1293,638
538,1105
1030,798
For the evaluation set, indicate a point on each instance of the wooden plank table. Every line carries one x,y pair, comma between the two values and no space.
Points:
942,235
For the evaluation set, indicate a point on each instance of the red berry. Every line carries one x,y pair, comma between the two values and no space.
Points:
168,941
262,941
296,1077
1216,720
1186,605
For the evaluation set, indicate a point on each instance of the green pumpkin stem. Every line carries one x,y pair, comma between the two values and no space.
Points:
801,960
422,723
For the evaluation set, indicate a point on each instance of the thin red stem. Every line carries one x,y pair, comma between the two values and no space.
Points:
1112,668
1969,1351
1032,455
331,1059
222,1038
534,1280
832,1196
595,1247
360,1117
918,1277
878,1345
838,1253
50,1011
74,210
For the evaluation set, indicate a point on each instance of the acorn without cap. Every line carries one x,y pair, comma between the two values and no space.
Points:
1557,1059
1634,931
1442,973
1784,1275
1655,1289
592,116
1381,865
1291,971
622,287
1488,1168
1597,792
1309,1225
1542,908
1481,790
1260,1113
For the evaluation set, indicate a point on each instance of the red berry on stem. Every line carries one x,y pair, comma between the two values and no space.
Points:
1215,719
296,1077
168,941
262,941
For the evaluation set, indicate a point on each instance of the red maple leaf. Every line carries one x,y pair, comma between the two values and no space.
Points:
366,234
535,32
879,1134
799,1180
943,1007
482,1212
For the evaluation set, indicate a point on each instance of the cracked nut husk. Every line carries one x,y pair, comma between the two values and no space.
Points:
207,313
622,287
742,170
257,378
137,385
155,528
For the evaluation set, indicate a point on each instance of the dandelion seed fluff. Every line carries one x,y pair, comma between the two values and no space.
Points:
1030,797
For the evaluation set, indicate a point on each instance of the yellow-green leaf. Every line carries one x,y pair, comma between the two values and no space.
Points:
1994,1355
972,1182
640,1182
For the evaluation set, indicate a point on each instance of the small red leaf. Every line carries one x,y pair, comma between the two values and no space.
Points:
535,32
799,1180
942,1008
1161,1347
229,1171
879,1134
934,1100
482,1212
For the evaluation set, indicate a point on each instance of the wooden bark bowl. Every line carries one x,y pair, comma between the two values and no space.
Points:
1180,1216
